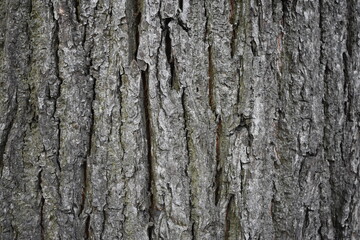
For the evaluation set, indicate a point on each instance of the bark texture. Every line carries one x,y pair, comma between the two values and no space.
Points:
179,119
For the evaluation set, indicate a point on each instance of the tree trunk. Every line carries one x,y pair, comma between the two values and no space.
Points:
179,119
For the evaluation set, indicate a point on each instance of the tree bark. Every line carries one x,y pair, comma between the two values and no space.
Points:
179,119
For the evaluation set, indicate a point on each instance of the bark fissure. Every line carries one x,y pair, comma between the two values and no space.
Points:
42,203
84,164
227,218
351,39
77,9
189,158
180,4
168,52
133,15
160,43
206,30
218,163
4,141
211,80
55,44
87,227
148,136
183,25
347,87
235,22
103,223
84,187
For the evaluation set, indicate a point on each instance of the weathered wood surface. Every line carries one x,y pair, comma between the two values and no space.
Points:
164,119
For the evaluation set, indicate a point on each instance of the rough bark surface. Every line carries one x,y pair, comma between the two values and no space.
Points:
179,119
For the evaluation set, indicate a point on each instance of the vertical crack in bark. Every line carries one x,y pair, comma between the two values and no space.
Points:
218,174
234,21
228,218
321,20
233,6
84,187
351,39
240,73
84,164
168,52
137,31
260,16
183,25
103,223
148,135
55,46
347,88
284,10
87,227
306,222
206,32
3,141
42,202
211,80
254,48
193,235
118,92
273,204
160,44
76,5
181,5
336,202
133,15
187,170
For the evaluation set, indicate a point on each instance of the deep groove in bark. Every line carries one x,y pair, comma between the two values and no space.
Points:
118,91
306,221
92,112
4,141
211,80
168,52
160,45
148,134
149,232
187,170
84,187
351,38
77,10
103,223
55,44
87,227
42,202
84,167
193,235
284,11
233,5
227,218
336,201
234,21
181,4
218,174
206,30
183,25
133,15
137,33
254,47
347,87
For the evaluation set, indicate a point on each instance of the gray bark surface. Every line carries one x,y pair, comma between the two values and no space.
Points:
179,119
